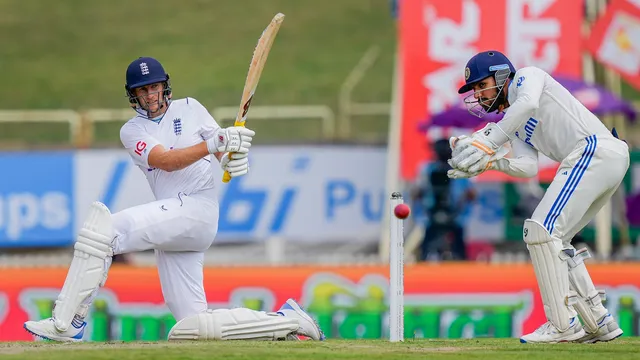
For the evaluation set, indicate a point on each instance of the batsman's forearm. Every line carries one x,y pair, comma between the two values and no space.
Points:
522,167
178,159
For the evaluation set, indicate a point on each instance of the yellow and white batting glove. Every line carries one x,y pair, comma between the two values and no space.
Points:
231,139
237,164
474,154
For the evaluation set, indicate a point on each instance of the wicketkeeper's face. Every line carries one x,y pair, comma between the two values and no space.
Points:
485,91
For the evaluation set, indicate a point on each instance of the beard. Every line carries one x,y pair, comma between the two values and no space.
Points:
492,105
485,103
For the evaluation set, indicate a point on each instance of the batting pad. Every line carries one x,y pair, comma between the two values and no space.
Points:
552,272
589,302
92,252
234,324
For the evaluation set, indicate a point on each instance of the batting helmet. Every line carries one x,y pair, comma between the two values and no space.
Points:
144,71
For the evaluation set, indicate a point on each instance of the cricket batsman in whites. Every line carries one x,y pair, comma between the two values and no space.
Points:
175,143
541,116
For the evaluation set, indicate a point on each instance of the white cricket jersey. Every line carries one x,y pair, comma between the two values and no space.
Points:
556,122
185,123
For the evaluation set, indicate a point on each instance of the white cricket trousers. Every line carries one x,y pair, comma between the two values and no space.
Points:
585,181
179,230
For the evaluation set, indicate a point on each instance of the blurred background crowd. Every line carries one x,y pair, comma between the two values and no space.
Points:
357,100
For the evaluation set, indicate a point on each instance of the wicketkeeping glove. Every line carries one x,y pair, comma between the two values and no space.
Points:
458,144
475,153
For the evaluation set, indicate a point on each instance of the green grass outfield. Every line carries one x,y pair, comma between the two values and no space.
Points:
494,349
72,54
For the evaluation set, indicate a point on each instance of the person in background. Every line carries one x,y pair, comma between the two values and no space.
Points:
445,204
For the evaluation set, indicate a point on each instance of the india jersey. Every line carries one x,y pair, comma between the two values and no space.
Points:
592,161
559,122
185,123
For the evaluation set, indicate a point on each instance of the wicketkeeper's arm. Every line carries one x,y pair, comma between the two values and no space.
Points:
522,164
526,92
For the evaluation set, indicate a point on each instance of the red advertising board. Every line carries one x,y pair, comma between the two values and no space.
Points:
614,40
451,300
437,38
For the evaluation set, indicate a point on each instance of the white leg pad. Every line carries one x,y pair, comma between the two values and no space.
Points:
589,302
92,252
552,272
234,324
587,313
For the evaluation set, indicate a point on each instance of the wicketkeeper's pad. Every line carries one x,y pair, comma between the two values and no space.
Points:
552,272
588,296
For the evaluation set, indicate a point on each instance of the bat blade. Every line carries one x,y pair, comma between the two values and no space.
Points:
259,58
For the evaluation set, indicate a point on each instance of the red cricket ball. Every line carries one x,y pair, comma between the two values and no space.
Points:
402,211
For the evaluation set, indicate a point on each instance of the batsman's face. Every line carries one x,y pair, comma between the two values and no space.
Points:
150,97
485,91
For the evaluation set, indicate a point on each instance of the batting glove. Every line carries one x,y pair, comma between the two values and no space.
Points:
237,164
231,139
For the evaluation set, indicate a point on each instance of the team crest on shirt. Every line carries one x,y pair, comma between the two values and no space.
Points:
177,126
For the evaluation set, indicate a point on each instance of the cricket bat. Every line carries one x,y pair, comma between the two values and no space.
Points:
260,54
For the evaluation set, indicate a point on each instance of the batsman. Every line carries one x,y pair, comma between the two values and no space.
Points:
541,116
175,143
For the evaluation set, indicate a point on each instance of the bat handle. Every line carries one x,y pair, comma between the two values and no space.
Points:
226,177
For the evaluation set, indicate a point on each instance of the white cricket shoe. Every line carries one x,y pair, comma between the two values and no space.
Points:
608,329
48,331
549,334
308,326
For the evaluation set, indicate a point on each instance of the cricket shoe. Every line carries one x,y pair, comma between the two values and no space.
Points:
549,334
308,327
608,329
47,330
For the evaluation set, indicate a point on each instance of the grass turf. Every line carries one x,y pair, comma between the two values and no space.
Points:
494,349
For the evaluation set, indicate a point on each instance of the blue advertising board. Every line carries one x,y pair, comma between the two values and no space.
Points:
36,199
